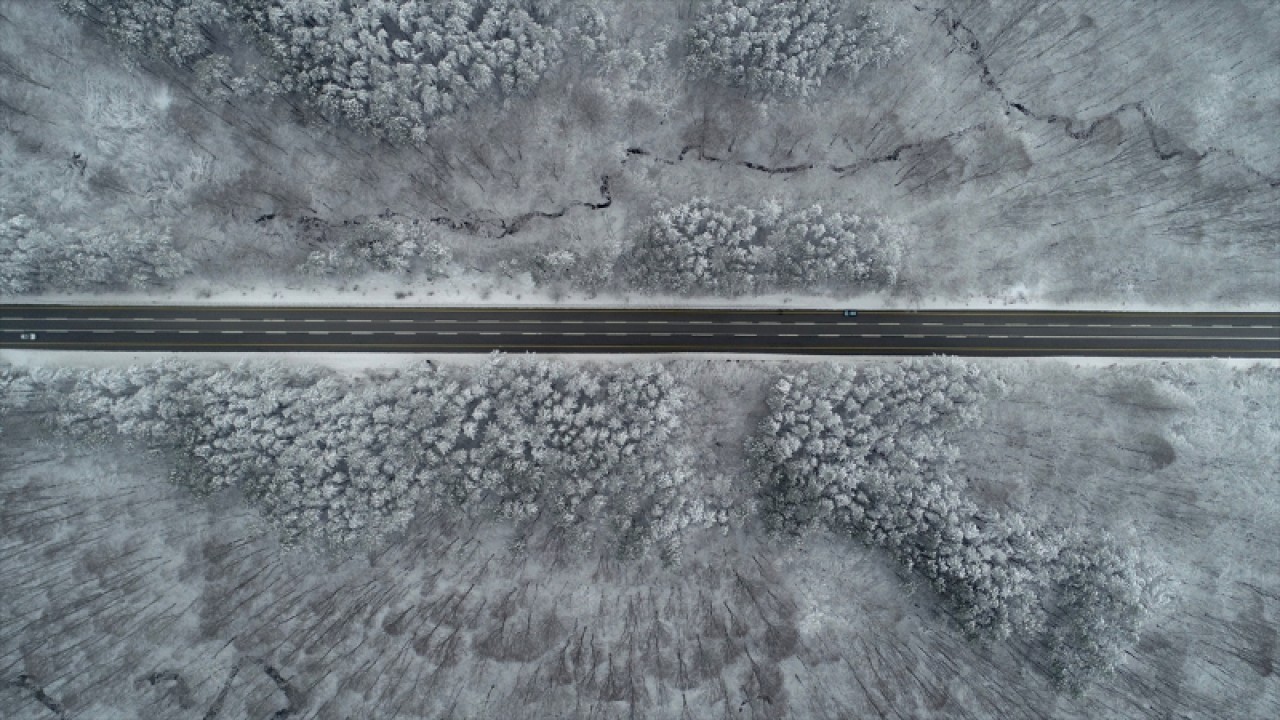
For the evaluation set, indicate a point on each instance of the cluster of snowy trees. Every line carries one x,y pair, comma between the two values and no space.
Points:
706,247
784,47
36,259
388,66
179,32
572,265
379,245
349,460
394,67
865,452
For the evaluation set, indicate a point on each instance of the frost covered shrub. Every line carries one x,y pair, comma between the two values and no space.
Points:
705,247
784,47
393,67
35,259
378,245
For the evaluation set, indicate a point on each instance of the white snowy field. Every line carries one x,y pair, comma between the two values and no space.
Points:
127,597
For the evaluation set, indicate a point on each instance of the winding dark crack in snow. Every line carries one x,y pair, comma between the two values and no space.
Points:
502,227
293,697
967,40
894,155
26,682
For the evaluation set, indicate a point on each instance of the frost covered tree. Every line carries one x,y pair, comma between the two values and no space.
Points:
35,259
784,47
1102,594
705,247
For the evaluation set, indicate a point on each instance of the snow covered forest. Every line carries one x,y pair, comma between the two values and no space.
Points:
535,148
526,538
696,536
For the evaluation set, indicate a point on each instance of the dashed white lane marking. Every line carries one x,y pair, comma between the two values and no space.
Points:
145,332
744,335
788,335
188,332
317,332
231,332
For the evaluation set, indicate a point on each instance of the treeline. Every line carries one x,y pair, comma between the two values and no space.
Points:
698,247
391,68
581,451
727,249
865,452
35,259
396,68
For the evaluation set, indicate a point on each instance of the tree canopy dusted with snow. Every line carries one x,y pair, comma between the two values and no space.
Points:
706,247
178,32
36,259
394,67
784,47
349,460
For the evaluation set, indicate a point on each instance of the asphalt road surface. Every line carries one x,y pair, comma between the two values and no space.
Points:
635,330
